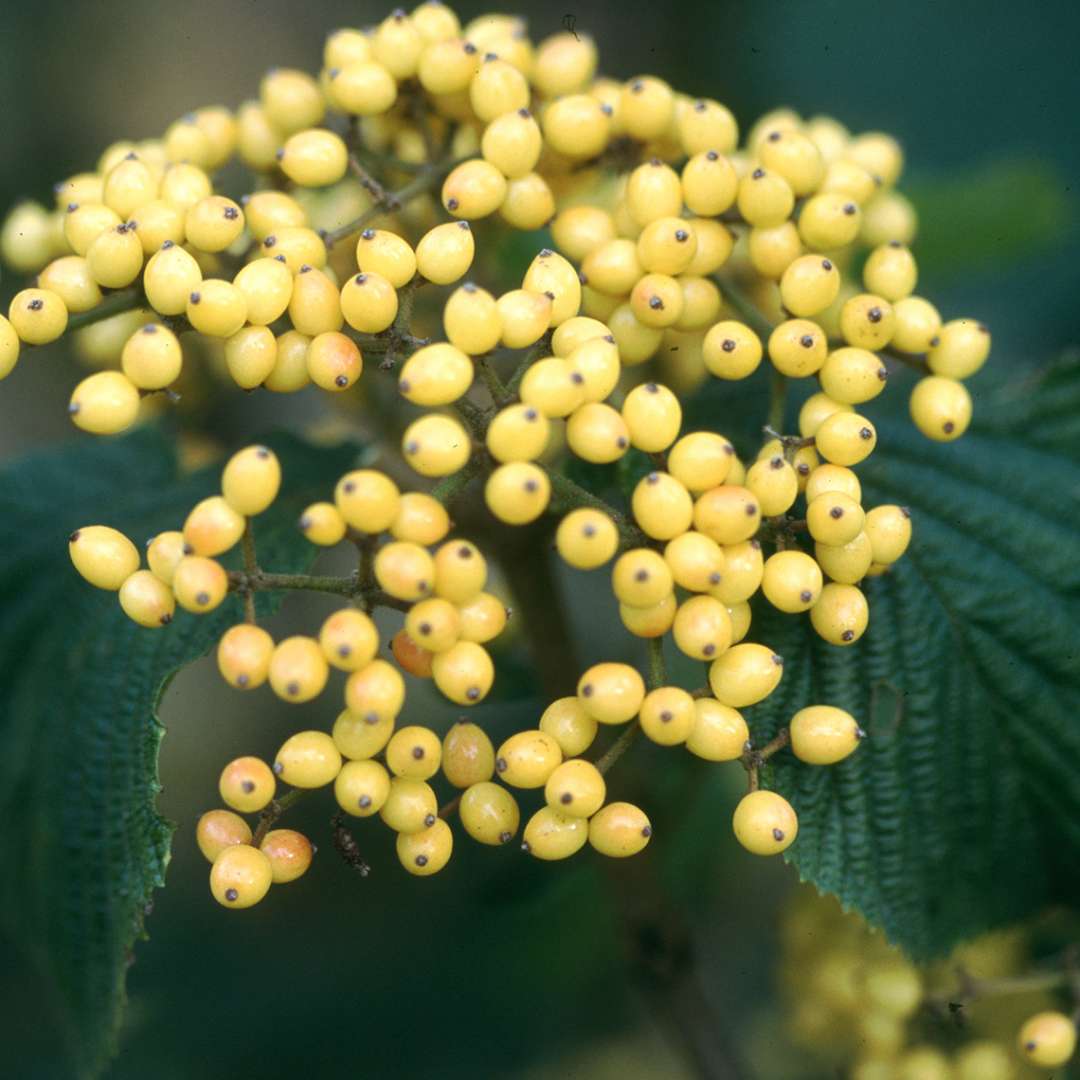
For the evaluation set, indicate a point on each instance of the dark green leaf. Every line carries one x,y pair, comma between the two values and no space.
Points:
962,810
83,845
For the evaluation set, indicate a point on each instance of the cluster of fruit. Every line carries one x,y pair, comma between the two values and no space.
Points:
860,1004
672,239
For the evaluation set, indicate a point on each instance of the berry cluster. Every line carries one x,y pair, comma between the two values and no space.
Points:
670,241
861,1005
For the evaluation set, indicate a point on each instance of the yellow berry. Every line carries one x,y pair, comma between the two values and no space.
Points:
567,722
840,614
315,305
468,757
551,835
647,107
551,274
103,556
308,759
1048,1039
960,350
597,433
436,445
267,286
240,877
460,571
815,411
940,408
576,788
247,784
213,527
348,639
525,317
667,715
415,752
745,675
199,583
298,669
824,734
323,524
809,285
653,417
369,302
147,600
765,823
289,853
727,514
700,461
420,519
243,656
611,693
650,622
359,738
219,829
798,348
846,563
702,628
662,506
744,568
696,562
774,483
314,158
619,830
216,308
426,851
586,538
164,552
845,438
718,733
368,500
641,578
464,672
411,805
888,529
445,254
829,221
527,759
489,813
518,433
37,316
9,347
251,479
376,692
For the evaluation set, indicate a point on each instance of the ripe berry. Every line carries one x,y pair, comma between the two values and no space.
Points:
115,258
152,358
809,285
436,445
316,304
941,408
426,852
597,433
657,301
251,355
824,734
460,571
727,514
845,438
219,829
619,830
199,584
251,480
662,506
718,732
483,618
555,276
290,854
961,349
772,250
369,303
9,347
435,375
744,568
420,519
597,362
852,376
360,737
576,788
410,806
489,813
213,527
551,835
765,823
825,478
745,675
361,788
696,562
464,672
1048,1039
834,518
641,578
386,254
243,656
815,411
567,722
586,538
308,759
527,759
240,876
525,317
414,751
170,277
702,628
334,361
982,1059
611,693
468,756
867,321
70,279
323,524
404,570
411,657
103,556
580,230
890,271
314,158
798,348
889,531
650,622
247,784
614,267
298,669
375,692
700,461
213,223
368,500
349,639
841,614
653,416
216,308
917,325
518,433
667,715
774,483
147,600
847,563
636,342
518,492
104,403
445,254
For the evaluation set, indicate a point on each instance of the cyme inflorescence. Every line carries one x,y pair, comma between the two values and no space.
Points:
679,250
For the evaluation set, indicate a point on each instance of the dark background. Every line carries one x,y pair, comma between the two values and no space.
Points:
495,969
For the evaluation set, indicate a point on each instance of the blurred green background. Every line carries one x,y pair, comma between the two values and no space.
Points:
502,966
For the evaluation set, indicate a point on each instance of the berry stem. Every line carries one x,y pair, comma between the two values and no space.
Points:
346,846
915,362
737,298
657,674
499,395
113,304
399,336
778,388
618,747
423,182
754,760
274,811
350,586
451,486
969,989
251,568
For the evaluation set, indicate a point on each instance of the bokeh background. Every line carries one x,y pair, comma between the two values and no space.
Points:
500,966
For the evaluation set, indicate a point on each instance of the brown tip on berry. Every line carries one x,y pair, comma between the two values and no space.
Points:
74,536
778,835
500,764
231,894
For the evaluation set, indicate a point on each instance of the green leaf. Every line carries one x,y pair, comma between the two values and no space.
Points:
83,846
962,810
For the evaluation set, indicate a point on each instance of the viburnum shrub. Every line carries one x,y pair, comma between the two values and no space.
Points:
353,230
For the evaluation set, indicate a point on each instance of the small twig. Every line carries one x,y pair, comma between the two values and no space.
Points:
450,487
490,378
114,304
753,760
915,361
372,186
449,809
274,811
566,494
251,569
